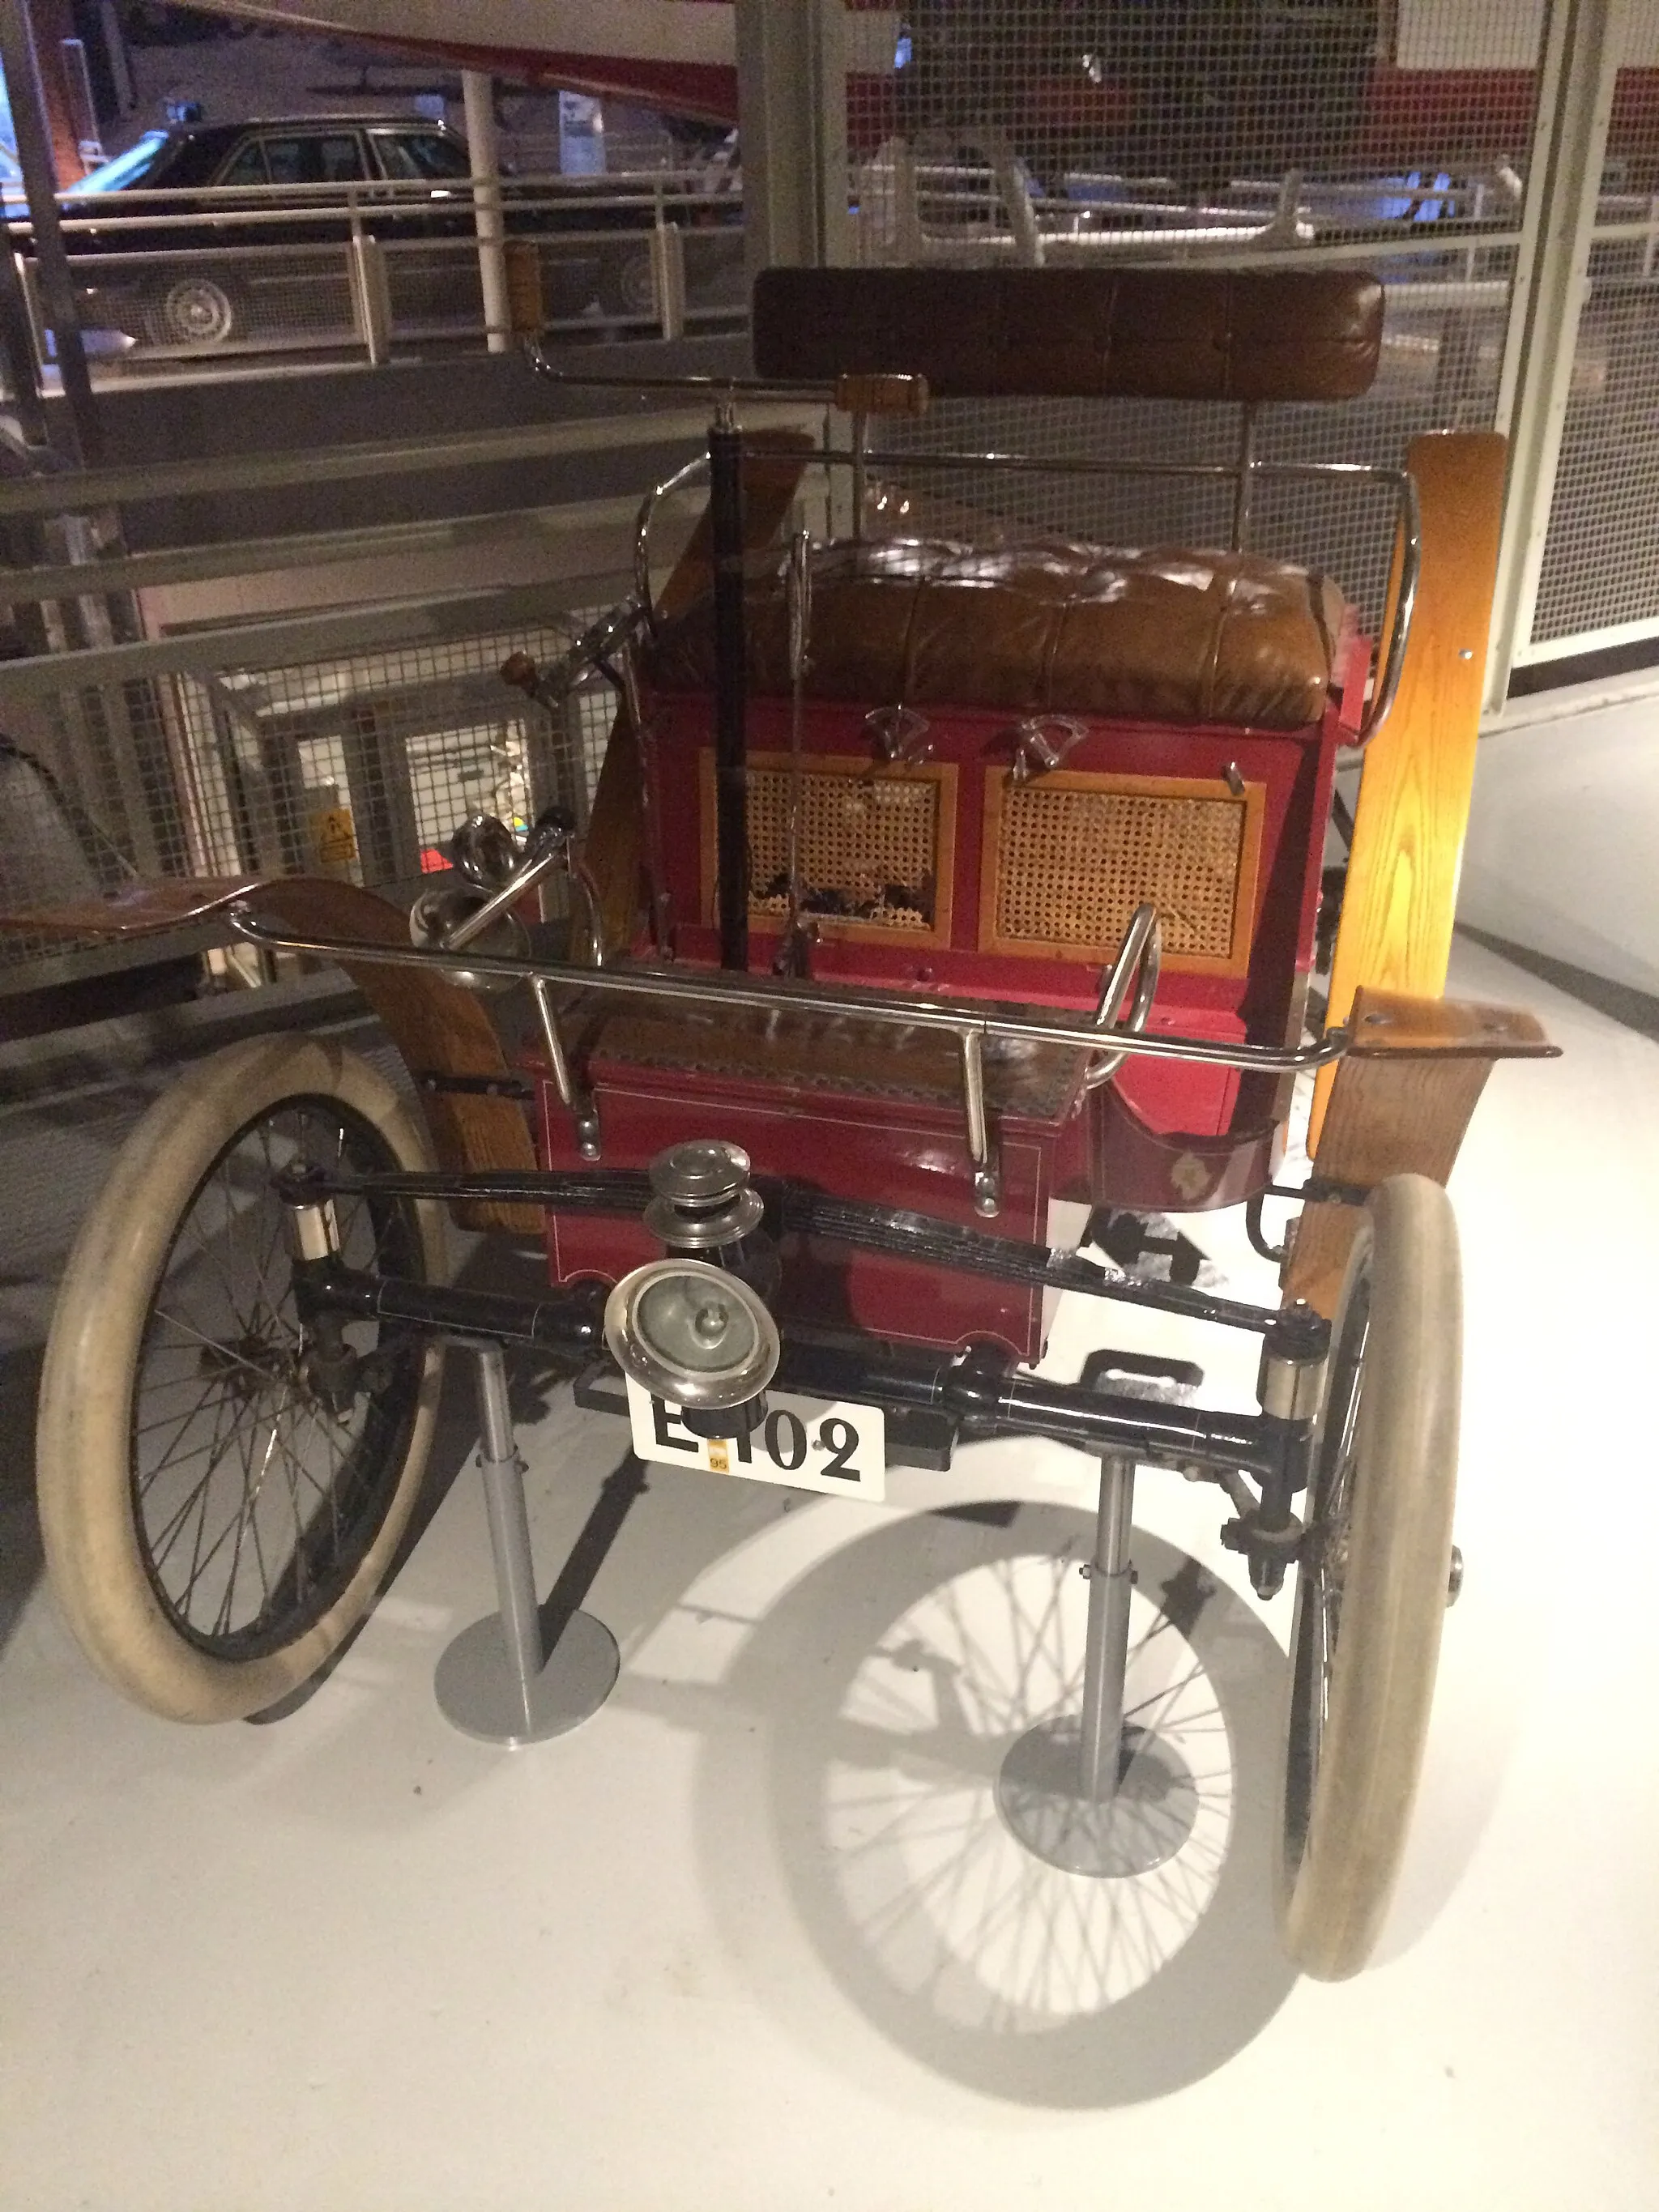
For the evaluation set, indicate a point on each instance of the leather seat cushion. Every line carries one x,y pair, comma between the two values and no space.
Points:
1161,635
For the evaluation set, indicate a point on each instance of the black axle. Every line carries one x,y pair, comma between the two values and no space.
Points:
794,1209
982,1394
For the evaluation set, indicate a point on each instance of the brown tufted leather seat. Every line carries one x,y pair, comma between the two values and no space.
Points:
1161,635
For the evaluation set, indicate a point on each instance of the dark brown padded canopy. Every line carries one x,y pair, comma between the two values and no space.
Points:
1077,333
1050,628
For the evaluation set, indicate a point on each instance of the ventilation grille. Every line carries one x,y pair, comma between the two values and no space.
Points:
1071,856
875,845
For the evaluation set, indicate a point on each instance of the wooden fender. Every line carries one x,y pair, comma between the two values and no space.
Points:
439,1029
1414,808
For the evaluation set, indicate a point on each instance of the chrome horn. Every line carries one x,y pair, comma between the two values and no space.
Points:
496,871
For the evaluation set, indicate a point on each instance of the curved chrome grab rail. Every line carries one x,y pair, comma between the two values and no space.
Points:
1392,662
1136,968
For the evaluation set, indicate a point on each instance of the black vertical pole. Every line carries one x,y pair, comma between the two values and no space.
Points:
731,737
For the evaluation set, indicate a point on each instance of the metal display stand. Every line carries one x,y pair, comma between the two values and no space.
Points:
1091,1794
498,1681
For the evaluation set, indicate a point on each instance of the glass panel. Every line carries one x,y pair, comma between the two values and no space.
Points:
1601,569
394,157
434,155
321,160
249,167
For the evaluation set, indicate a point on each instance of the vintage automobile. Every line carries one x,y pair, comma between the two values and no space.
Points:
936,897
204,272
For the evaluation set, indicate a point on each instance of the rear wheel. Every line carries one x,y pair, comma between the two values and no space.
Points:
1372,1589
213,1528
198,310
628,284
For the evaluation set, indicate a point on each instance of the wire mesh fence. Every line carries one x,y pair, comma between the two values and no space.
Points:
1600,565
358,767
1207,130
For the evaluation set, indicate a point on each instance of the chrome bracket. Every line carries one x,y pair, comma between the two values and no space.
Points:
577,1101
899,733
1036,752
987,1175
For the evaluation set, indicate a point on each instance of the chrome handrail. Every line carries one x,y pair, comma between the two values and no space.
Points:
718,987
972,1023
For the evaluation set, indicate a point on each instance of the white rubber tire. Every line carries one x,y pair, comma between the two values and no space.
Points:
1344,1839
86,1385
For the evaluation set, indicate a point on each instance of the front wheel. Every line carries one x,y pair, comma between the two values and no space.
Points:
215,1526
1372,1587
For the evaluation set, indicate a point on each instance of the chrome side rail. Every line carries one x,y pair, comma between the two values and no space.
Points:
970,1023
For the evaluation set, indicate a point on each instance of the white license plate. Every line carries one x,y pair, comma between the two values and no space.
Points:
839,1449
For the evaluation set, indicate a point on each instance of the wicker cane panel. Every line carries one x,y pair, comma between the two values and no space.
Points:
1071,856
876,845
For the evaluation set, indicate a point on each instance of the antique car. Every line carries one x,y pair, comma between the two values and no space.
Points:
201,271
936,897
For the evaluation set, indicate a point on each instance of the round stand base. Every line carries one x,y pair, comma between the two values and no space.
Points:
1146,1823
478,1689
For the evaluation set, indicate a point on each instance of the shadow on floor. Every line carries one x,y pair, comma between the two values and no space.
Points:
847,1796
21,1560
496,1265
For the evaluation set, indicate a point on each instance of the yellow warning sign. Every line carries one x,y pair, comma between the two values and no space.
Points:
332,837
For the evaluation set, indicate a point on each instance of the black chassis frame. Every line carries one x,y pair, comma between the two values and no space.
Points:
932,1401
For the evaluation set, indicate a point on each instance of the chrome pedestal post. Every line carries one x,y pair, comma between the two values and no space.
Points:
497,1681
1090,1795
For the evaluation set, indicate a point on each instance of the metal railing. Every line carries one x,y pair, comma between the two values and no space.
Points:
909,209
970,1024
396,262
349,741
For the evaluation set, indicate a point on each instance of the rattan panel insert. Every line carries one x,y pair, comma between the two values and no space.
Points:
876,844
1070,856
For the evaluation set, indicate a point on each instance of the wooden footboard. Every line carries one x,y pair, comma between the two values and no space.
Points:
1400,1099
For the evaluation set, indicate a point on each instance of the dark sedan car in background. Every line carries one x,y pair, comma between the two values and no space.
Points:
205,280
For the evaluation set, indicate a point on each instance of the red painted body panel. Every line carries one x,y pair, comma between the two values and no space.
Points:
897,1154
1166,1136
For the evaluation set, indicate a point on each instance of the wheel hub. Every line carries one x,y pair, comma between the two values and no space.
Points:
249,1365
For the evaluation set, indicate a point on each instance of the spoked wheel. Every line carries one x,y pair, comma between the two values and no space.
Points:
213,1527
1372,1589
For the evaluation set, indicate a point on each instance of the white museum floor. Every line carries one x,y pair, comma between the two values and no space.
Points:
753,1939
